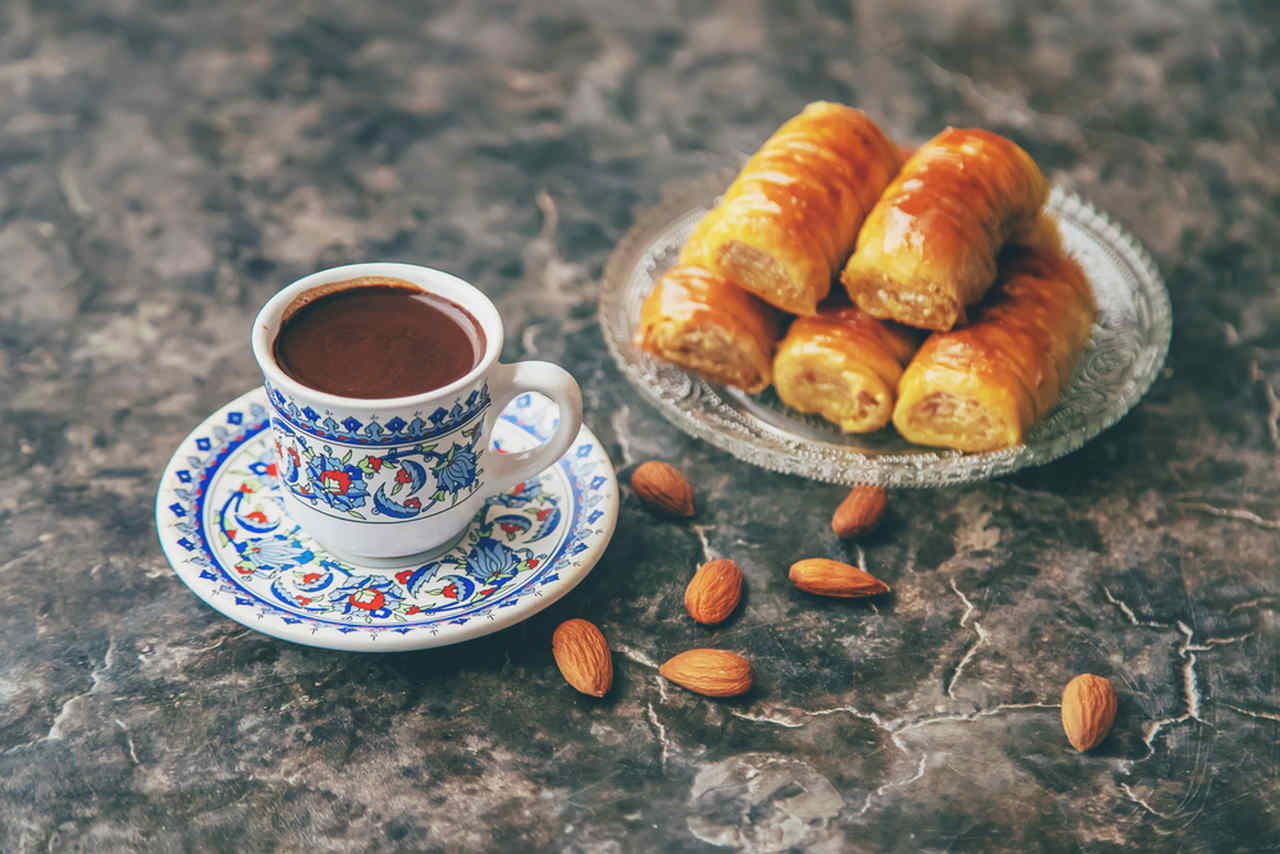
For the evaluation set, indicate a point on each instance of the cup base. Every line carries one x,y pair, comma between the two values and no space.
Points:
368,562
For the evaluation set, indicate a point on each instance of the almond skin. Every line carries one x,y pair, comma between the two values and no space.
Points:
663,486
582,654
1088,710
713,672
860,511
833,578
714,591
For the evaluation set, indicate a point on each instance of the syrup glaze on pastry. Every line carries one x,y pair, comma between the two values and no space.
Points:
929,247
701,321
844,365
791,217
980,387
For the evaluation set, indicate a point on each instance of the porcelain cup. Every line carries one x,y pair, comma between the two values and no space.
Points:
388,482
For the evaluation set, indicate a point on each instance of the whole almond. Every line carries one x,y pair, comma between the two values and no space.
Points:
714,591
1088,710
713,672
582,654
663,486
833,578
860,511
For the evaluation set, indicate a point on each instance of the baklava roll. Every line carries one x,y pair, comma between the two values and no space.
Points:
791,217
981,387
701,321
844,365
928,248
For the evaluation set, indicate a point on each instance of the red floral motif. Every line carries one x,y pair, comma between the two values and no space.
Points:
519,488
373,604
375,463
510,527
404,575
303,600
311,578
257,516
415,503
413,610
403,476
451,591
335,482
272,469
543,514
533,561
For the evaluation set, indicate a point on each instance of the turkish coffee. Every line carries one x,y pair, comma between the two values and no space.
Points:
383,339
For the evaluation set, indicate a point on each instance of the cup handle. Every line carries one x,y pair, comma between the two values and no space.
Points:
506,383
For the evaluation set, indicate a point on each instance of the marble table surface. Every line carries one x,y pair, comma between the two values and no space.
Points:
165,166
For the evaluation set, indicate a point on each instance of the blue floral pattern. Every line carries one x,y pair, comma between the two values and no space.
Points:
395,483
336,482
457,470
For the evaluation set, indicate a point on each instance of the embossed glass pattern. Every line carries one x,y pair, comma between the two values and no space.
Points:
1125,352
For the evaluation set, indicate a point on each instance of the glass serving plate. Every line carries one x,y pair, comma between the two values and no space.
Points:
1125,352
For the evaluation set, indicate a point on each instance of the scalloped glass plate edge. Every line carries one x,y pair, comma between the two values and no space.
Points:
1123,358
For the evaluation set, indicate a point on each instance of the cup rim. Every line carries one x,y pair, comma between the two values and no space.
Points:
267,323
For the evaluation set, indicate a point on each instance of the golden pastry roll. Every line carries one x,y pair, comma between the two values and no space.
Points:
844,365
928,249
702,321
791,217
980,387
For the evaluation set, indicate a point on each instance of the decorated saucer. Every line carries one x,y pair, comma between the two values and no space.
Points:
222,525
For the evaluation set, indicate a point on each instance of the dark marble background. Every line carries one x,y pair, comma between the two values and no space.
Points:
166,166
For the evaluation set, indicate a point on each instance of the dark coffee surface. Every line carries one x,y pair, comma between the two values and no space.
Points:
377,341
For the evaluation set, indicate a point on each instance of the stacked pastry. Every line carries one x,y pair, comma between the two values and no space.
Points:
952,244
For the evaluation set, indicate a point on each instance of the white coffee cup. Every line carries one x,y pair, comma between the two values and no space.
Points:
387,482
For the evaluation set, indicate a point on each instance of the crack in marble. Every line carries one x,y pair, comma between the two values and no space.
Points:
973,716
95,681
968,656
969,607
1193,700
895,784
640,658
1128,612
707,551
618,421
1190,684
762,719
893,729
550,215
529,337
220,641
71,191
661,732
862,564
1262,602
1142,802
1273,402
1233,513
133,754
635,655
973,648
1266,716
